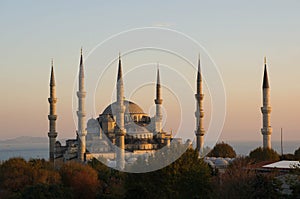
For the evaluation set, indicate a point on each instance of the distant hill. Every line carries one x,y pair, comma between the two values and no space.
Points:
25,140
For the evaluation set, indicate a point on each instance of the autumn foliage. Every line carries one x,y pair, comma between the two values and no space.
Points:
187,177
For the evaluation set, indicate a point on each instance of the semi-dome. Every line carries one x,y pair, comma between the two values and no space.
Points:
130,108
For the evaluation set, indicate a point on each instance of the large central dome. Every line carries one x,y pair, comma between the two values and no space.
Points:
131,108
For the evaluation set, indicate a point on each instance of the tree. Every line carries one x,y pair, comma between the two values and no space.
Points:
287,156
222,150
241,181
44,172
112,181
297,154
264,154
44,191
81,179
15,174
187,177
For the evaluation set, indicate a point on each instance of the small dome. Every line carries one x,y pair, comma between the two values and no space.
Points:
212,158
138,131
92,122
130,108
221,162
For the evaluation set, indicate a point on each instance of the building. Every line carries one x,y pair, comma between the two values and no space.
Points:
121,131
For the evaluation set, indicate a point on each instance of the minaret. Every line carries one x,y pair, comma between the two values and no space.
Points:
119,129
199,114
158,102
52,116
81,132
266,110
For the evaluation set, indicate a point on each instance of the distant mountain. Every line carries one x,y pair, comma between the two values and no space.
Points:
25,140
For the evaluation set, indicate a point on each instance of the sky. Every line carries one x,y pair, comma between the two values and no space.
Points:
235,34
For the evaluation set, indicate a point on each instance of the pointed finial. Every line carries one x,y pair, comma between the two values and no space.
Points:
52,62
158,76
199,77
52,79
81,59
120,67
265,78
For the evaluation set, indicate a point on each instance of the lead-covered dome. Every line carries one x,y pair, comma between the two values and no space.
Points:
130,107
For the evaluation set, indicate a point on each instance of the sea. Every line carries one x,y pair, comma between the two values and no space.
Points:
37,148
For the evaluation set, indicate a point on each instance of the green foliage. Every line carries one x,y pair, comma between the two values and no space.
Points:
263,154
296,189
44,191
223,150
297,154
187,177
287,157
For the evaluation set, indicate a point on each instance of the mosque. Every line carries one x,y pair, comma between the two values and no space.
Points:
123,130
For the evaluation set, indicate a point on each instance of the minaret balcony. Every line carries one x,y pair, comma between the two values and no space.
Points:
81,94
200,132
266,131
266,110
52,134
158,101
201,114
52,117
52,100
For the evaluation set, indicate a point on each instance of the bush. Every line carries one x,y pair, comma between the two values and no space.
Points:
297,154
222,150
240,181
264,154
288,156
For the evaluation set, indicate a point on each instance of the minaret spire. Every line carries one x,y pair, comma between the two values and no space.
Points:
266,109
120,70
199,114
52,134
199,77
81,131
52,78
158,102
266,79
120,129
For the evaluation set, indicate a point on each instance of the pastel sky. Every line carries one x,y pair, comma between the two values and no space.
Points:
236,34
